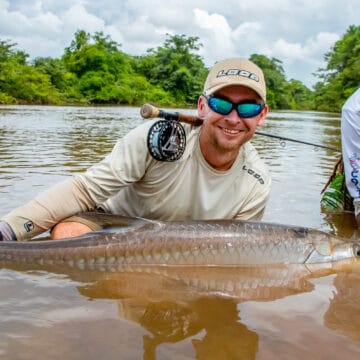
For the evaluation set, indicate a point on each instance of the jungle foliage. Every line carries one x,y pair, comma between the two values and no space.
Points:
341,77
94,70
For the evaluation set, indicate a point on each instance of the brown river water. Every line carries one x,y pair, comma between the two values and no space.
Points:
277,312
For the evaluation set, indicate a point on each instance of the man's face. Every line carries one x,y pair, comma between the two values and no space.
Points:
229,132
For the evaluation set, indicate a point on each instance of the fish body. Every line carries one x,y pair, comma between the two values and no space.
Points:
214,242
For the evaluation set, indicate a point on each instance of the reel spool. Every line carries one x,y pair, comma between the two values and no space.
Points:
166,140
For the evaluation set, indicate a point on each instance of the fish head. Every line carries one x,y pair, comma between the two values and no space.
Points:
330,248
357,250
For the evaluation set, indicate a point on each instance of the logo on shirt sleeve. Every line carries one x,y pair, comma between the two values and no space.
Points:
29,226
253,173
355,169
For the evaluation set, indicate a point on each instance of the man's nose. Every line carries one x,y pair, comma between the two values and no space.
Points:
233,117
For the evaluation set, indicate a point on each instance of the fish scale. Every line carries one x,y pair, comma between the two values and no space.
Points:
213,242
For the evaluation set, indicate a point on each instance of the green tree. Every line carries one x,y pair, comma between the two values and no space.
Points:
93,69
99,67
55,68
8,53
280,93
101,73
276,85
10,59
20,82
341,77
82,39
300,97
102,55
176,68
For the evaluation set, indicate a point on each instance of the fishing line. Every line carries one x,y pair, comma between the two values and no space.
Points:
295,140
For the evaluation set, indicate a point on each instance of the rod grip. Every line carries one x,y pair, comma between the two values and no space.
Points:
149,111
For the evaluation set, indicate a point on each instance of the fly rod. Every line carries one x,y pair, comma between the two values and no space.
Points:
149,111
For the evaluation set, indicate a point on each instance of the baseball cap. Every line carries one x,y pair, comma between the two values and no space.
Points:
235,71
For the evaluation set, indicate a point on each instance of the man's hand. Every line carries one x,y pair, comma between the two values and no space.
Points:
69,229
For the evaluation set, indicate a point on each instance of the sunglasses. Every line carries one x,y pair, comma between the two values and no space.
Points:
224,107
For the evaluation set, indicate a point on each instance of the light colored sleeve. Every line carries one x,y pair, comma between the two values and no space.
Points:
257,189
255,206
350,139
124,165
44,211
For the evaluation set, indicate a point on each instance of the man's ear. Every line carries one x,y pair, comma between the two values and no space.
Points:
263,115
201,106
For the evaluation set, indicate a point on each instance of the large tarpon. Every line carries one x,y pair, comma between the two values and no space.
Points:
214,242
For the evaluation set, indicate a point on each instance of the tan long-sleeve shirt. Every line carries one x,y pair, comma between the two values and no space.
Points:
131,183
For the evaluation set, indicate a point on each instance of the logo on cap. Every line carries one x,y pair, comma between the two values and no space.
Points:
238,72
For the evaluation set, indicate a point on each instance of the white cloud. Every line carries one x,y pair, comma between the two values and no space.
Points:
312,49
298,33
286,51
311,52
218,32
321,43
78,17
220,40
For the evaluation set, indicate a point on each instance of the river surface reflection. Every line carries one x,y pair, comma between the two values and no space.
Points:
277,312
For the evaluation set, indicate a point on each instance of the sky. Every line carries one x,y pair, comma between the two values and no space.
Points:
298,33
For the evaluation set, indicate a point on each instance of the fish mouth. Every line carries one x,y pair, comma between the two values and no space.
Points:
326,252
357,250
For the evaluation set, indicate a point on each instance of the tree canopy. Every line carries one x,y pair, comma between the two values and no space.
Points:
22,83
341,77
94,70
175,67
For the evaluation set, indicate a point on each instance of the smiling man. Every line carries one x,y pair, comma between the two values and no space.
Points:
219,175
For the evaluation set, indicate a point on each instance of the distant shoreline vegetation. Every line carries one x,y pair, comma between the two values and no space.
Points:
94,71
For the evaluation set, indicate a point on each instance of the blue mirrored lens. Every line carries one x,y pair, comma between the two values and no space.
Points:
220,106
248,110
224,107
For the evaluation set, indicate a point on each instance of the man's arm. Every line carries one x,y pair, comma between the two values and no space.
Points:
126,164
47,209
255,206
350,139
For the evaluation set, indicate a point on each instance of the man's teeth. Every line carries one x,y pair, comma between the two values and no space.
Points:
231,131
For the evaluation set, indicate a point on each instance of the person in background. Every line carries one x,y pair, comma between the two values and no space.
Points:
219,175
350,139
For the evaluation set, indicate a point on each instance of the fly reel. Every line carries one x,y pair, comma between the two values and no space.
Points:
166,140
